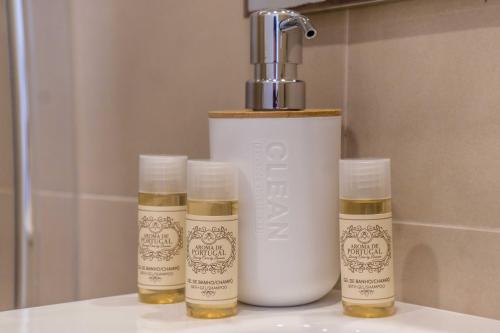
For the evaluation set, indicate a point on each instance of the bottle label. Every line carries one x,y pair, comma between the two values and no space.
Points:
161,253
212,259
366,258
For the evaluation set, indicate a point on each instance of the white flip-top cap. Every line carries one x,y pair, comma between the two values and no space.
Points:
365,178
209,180
162,174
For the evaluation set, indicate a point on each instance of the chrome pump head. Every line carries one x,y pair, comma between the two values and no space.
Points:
276,50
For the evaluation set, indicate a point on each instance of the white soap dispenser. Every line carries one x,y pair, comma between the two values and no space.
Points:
288,160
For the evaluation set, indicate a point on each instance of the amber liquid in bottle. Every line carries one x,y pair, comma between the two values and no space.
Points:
173,294
204,209
374,309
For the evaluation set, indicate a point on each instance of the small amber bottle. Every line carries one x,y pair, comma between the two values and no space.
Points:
366,252
161,219
212,240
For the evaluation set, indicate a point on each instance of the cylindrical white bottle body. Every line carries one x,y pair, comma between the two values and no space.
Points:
288,204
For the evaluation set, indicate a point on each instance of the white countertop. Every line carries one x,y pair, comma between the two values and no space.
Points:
125,314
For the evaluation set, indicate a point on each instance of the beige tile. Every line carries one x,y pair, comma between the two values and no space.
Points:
422,78
55,249
7,251
147,88
422,85
52,126
448,268
323,67
107,247
409,18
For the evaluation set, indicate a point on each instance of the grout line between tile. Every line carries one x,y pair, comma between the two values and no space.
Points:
345,112
55,194
449,226
346,62
114,198
72,195
6,190
72,54
133,199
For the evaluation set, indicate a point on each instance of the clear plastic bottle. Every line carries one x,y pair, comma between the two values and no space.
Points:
161,220
366,251
212,240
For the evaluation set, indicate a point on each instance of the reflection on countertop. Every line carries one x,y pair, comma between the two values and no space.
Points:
125,314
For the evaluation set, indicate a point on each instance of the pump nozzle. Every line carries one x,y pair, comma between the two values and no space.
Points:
299,21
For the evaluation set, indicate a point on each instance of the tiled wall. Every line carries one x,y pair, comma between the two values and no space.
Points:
423,89
111,79
145,78
6,176
53,275
418,81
